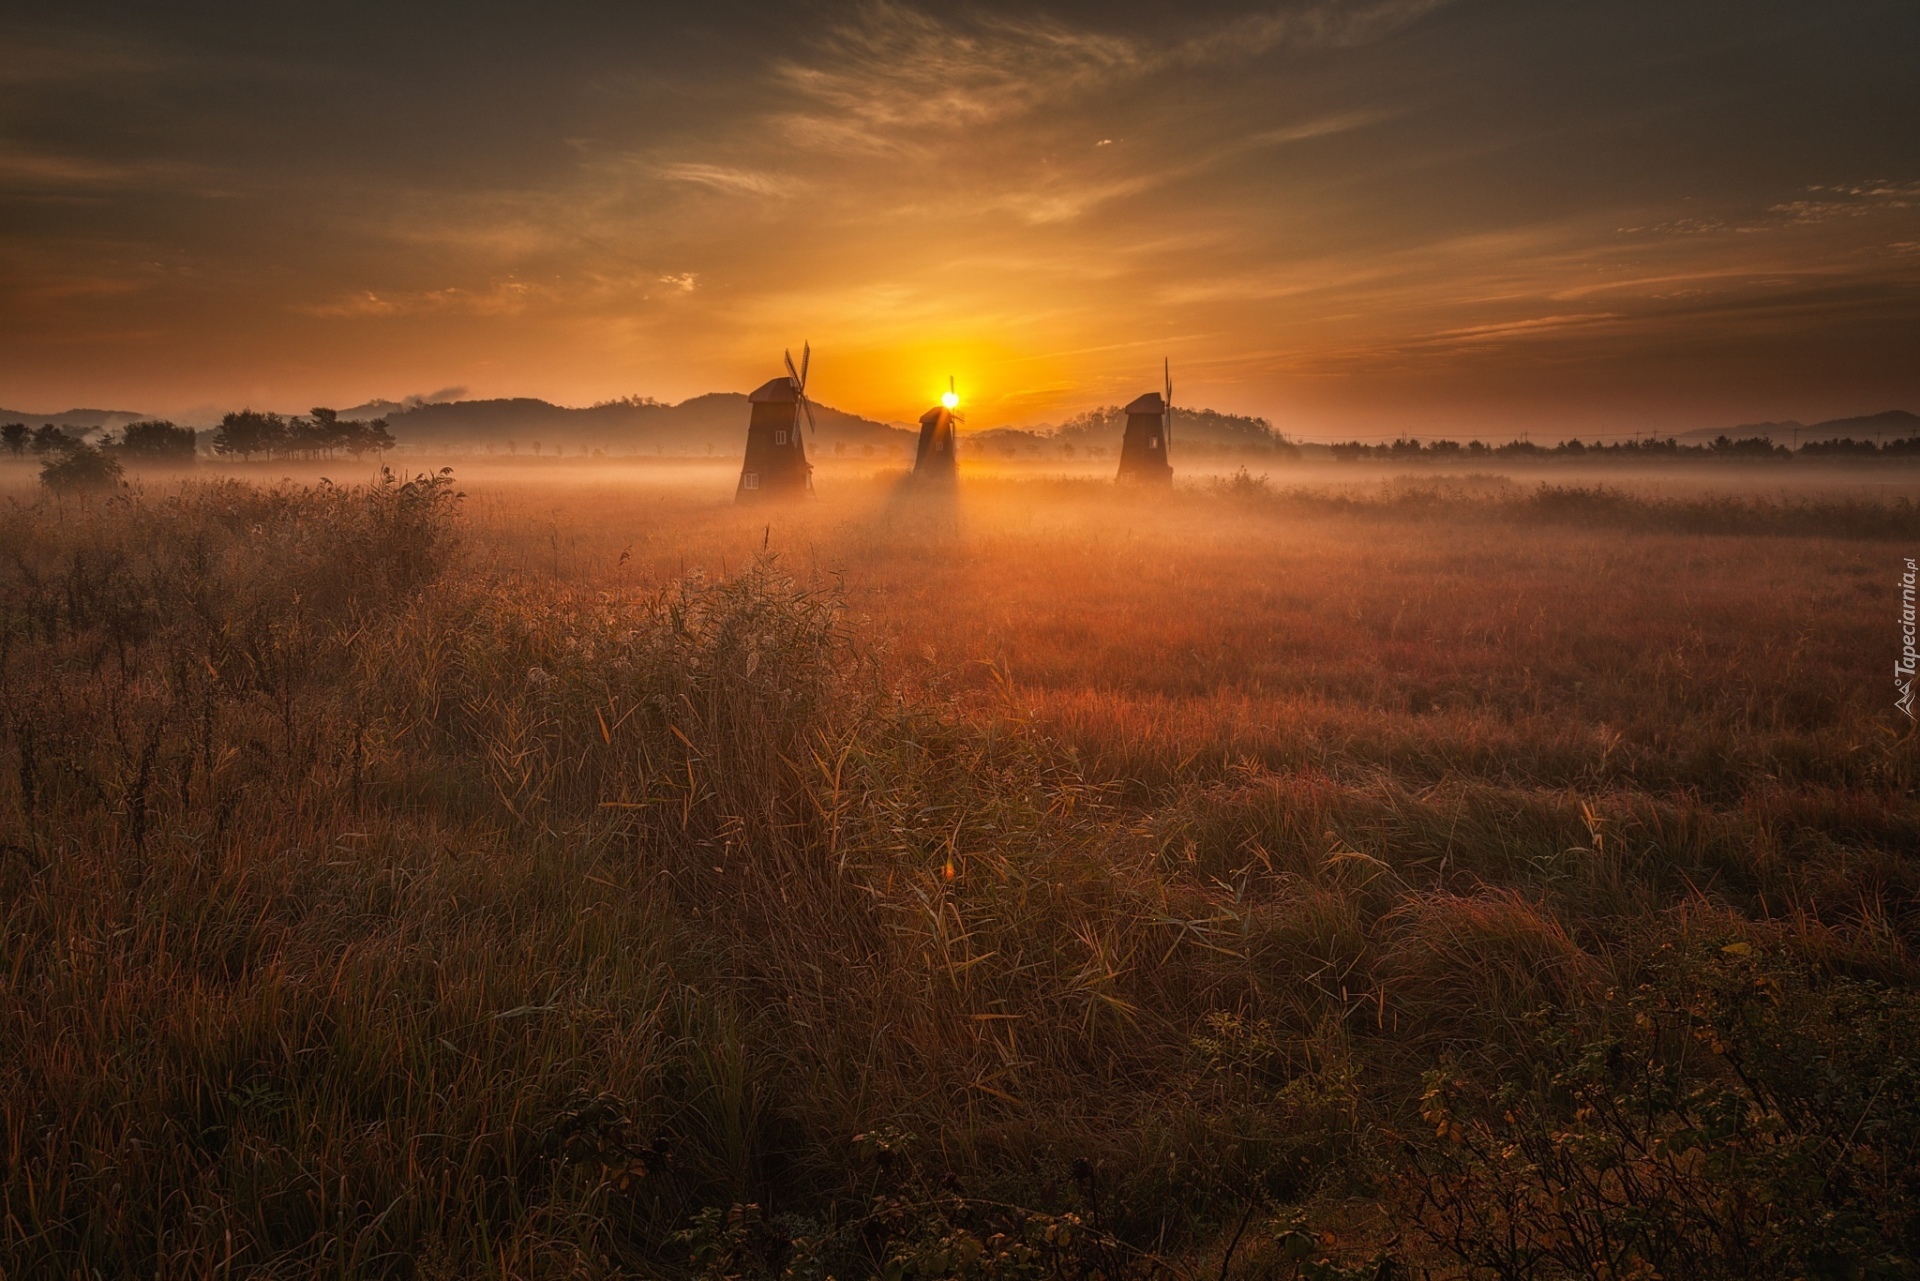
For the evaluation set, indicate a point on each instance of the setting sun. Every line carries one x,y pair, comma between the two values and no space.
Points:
950,398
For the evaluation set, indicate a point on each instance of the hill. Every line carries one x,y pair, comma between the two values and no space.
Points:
1889,423
713,423
82,420
1893,422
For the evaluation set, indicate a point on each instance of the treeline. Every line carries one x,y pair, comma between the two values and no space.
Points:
322,435
1718,447
70,462
156,440
1107,423
244,434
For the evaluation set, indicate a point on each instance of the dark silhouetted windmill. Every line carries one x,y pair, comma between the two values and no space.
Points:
776,465
1143,450
937,459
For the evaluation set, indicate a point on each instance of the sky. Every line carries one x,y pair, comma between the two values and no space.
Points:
1352,217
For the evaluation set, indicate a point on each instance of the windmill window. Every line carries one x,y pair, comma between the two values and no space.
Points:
780,438
750,481
1153,442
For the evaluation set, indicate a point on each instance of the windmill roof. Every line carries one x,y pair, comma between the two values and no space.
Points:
933,415
1148,404
776,389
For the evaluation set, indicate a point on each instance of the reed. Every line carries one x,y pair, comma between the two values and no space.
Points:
386,893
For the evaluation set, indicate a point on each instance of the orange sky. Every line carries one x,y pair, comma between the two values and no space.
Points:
1353,218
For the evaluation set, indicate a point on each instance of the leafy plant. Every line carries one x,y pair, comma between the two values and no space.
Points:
84,467
1741,1116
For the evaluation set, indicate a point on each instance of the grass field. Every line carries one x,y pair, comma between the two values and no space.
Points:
1337,874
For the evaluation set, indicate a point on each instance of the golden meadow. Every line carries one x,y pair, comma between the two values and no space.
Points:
563,872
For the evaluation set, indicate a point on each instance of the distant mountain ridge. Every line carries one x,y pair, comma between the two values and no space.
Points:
1889,422
713,423
86,420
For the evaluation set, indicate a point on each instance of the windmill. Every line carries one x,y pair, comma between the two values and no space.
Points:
776,465
1144,447
938,456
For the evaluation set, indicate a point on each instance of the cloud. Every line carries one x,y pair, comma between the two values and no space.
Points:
1323,127
742,182
1821,203
1334,24
1067,199
503,298
894,67
894,70
82,57
1824,203
47,171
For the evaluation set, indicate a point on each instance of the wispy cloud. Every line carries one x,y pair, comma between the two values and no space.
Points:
46,171
1333,24
736,182
894,67
895,71
1824,203
1819,203
503,298
51,57
1321,127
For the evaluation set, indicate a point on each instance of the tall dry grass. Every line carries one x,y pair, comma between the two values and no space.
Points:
393,891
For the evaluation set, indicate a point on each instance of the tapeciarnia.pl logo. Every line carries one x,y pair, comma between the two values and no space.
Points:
1903,670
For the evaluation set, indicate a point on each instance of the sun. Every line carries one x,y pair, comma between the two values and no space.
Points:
950,398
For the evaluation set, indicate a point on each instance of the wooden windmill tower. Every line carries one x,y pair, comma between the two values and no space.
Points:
1143,450
938,456
776,464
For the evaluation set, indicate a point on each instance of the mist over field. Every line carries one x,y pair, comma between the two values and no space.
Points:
556,863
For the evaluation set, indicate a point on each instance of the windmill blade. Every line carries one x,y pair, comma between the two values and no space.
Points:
808,406
1166,433
788,357
806,358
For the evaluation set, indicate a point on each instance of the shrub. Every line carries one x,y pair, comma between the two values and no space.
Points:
1738,1115
1241,485
85,467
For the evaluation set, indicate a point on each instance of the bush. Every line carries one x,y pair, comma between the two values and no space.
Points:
85,467
1741,1116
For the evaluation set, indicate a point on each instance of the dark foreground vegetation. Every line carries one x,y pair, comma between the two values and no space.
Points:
368,911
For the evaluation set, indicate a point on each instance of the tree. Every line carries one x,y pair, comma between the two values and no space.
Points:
157,441
48,439
321,433
248,433
15,437
311,437
358,437
82,467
